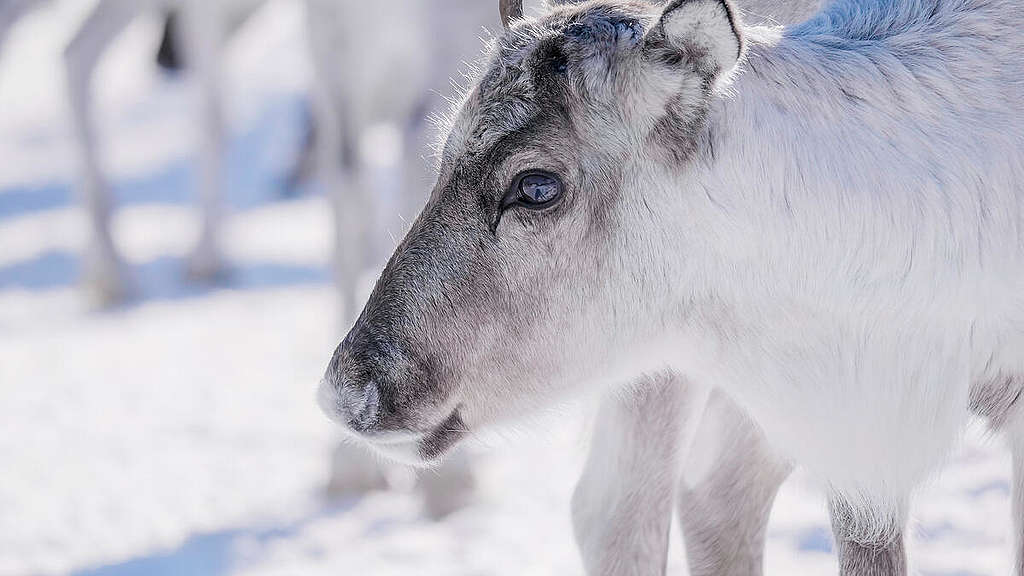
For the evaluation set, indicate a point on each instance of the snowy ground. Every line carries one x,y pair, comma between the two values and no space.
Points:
179,436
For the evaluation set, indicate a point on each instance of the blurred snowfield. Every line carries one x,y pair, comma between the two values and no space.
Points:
178,435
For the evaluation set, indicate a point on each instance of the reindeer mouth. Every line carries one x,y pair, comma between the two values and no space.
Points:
422,450
445,435
417,444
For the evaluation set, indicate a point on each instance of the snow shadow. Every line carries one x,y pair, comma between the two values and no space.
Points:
214,553
258,168
163,278
815,539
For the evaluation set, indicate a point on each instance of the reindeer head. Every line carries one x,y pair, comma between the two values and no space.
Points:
542,260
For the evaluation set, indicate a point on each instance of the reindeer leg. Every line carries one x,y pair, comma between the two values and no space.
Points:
202,37
336,157
104,271
448,488
880,553
353,470
726,492
305,167
997,400
622,506
1015,438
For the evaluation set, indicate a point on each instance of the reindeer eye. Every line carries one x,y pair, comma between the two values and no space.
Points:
537,189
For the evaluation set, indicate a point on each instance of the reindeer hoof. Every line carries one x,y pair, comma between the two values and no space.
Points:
106,283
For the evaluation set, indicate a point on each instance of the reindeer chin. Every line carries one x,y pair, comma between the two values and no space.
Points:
443,437
425,451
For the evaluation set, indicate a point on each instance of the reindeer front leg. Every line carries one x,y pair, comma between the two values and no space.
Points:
728,484
104,271
337,137
879,552
622,506
202,36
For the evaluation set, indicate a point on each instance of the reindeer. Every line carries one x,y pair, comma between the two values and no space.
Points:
198,28
820,222
352,94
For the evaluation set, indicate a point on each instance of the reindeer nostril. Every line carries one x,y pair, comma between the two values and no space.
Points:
362,406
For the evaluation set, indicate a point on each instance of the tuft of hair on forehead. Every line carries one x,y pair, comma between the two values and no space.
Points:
501,91
461,90
504,93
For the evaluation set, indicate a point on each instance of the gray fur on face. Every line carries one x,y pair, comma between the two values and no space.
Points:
467,323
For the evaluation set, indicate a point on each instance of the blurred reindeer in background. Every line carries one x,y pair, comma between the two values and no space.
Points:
194,33
199,28
379,69
372,95
374,80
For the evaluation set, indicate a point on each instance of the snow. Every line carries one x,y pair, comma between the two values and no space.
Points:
179,435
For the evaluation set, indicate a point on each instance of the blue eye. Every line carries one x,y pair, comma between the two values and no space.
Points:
536,189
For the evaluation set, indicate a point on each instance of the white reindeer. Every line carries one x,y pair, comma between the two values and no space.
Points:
354,91
203,26
822,222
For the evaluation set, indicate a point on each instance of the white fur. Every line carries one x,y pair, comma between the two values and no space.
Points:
727,479
854,247
706,25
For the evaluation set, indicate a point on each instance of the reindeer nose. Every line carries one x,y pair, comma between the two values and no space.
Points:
354,403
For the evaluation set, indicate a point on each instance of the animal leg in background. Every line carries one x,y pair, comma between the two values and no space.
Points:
997,400
622,506
1015,438
105,276
726,490
880,556
202,37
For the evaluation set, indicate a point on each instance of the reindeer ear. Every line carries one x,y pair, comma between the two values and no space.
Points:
705,32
